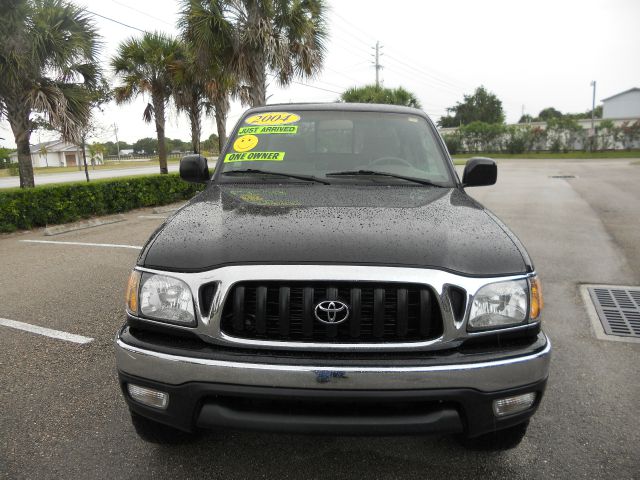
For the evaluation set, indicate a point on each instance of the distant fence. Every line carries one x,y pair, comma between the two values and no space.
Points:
141,157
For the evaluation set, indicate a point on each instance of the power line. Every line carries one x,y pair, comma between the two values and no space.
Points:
432,78
423,78
115,21
317,88
142,12
366,34
307,85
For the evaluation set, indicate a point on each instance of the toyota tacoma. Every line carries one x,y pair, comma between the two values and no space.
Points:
334,277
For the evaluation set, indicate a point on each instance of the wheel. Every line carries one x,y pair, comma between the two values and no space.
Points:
505,439
154,432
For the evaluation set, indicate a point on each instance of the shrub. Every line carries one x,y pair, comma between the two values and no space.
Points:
518,139
453,142
14,169
481,136
51,204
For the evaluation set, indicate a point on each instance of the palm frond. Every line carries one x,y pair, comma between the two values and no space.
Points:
147,115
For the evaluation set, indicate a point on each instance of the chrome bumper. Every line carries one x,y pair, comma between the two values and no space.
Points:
484,376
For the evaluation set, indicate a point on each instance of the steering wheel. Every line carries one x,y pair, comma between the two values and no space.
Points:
396,160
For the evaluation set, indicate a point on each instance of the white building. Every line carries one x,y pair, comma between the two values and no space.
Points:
56,153
622,105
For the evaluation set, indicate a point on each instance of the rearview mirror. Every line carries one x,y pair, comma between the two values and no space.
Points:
479,171
194,169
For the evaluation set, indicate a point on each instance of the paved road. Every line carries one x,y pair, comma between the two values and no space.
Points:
8,182
62,415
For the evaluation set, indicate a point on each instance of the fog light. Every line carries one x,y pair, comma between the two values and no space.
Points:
146,396
511,405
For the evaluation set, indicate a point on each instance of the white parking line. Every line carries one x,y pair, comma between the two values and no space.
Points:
47,332
112,245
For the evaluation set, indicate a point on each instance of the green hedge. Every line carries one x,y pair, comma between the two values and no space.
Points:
61,203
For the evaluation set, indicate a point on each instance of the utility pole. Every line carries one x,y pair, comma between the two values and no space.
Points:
593,115
115,129
377,65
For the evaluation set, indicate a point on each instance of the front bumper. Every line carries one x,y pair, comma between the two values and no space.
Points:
446,395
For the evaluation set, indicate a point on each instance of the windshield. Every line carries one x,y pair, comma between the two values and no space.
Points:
320,144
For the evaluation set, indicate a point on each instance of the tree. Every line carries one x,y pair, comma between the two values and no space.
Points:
96,153
630,133
148,146
189,96
375,94
144,65
213,55
482,136
4,157
99,96
48,66
526,118
519,139
112,149
549,113
43,151
609,134
211,144
563,133
482,106
282,38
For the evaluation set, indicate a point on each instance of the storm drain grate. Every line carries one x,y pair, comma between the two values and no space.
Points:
618,309
562,176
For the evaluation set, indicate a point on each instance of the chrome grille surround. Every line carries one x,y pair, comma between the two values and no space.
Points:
454,333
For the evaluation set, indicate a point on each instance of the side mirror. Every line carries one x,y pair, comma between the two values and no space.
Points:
194,169
479,171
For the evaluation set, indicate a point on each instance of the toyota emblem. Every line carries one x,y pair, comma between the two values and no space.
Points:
331,312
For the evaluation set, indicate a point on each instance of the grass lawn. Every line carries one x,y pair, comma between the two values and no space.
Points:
109,166
550,155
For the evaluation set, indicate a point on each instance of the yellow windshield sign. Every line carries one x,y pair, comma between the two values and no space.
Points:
245,143
254,157
273,118
274,129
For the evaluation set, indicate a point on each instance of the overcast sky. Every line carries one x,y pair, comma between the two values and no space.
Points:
532,55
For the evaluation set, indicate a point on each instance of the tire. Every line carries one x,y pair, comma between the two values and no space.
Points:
499,440
158,433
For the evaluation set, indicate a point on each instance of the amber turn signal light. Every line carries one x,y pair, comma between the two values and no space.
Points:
131,298
537,303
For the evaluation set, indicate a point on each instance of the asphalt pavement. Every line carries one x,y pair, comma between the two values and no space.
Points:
79,176
62,415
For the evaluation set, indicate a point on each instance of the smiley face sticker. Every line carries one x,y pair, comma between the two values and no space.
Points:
245,143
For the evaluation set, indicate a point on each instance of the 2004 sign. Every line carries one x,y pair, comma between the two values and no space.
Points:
273,118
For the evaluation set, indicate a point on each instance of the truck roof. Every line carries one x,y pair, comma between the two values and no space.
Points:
338,106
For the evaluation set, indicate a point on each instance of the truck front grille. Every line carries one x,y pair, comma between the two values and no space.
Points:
285,311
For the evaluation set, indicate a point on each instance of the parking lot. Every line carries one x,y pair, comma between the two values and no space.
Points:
63,415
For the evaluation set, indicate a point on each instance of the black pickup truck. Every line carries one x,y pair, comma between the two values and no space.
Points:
334,277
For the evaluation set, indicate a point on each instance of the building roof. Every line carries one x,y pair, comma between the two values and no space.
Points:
52,146
634,89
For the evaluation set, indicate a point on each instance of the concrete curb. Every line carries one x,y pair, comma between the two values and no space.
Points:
93,222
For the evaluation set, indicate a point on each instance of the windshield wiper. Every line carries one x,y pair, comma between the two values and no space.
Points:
308,178
384,174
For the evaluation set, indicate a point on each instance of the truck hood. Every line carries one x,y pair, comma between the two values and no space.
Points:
410,226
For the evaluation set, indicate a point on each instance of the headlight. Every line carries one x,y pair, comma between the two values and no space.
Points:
161,298
500,305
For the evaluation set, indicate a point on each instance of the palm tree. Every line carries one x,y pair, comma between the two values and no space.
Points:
190,97
211,59
282,38
48,66
145,66
375,94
